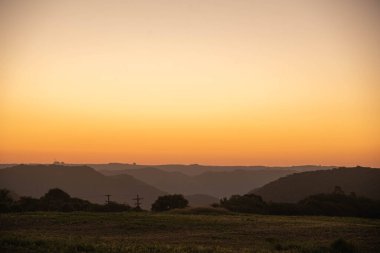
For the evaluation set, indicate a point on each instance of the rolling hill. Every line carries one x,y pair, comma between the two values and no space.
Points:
295,187
197,169
79,181
217,184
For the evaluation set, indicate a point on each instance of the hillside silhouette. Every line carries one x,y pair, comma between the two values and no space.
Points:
293,188
78,181
214,183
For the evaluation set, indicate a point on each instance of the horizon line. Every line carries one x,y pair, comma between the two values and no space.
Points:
181,164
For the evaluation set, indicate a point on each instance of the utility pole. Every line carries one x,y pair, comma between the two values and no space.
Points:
138,203
108,198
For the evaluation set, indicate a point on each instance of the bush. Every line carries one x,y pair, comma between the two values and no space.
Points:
168,202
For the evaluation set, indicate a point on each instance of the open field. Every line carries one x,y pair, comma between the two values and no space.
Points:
170,232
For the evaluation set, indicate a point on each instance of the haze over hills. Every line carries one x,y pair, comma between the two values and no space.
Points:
215,181
2,166
86,183
277,185
190,170
197,169
79,181
225,184
218,184
293,188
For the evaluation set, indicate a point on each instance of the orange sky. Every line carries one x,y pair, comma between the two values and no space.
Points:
213,82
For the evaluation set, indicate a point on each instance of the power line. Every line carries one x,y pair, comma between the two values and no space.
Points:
138,203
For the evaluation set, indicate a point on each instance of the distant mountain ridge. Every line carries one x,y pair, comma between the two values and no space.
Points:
192,169
79,181
86,183
218,184
197,169
293,188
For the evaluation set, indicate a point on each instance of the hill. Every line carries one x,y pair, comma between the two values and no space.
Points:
222,184
293,188
172,182
197,169
79,181
218,184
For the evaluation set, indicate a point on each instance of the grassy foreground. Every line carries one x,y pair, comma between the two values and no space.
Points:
172,232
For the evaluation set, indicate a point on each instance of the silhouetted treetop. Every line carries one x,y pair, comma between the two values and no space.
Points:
56,194
168,202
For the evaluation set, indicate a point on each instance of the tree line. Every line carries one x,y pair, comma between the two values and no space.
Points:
55,200
336,203
58,200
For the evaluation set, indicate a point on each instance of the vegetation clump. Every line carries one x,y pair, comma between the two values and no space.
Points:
55,200
336,203
5,200
168,202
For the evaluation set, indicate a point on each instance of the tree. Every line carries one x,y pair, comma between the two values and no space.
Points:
168,202
56,195
6,200
55,200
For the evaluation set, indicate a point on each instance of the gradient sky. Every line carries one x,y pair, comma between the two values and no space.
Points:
198,81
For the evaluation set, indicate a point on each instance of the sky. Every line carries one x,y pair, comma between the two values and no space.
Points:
220,82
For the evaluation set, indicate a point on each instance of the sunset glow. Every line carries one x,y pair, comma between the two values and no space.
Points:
209,82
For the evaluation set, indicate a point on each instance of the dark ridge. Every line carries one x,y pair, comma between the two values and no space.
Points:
292,188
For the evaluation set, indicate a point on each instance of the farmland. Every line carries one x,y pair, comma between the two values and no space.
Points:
185,232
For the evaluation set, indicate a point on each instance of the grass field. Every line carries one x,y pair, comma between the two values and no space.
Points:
171,232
